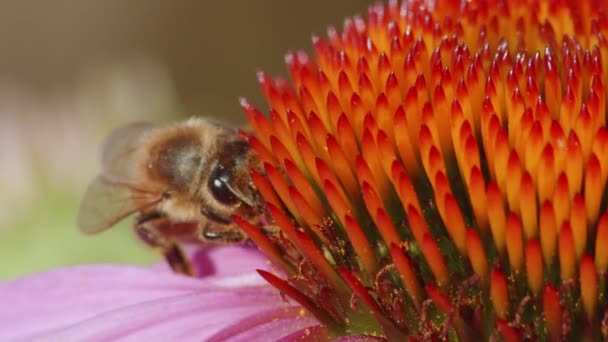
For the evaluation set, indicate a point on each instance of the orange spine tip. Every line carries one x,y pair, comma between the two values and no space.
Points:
528,207
553,89
393,93
513,182
386,227
370,125
336,199
297,128
371,199
357,114
553,312
278,149
515,243
548,232
300,182
508,333
477,255
341,166
315,256
263,153
426,143
534,266
366,90
369,301
264,188
308,214
347,140
361,246
574,164
418,224
308,156
298,296
413,104
384,117
567,109
601,241
441,187
589,286
493,126
334,109
441,300
477,195
284,223
435,163
403,185
283,134
442,124
325,173
600,149
561,200
526,123
593,188
584,125
567,256
319,134
307,101
546,174
407,274
281,188
455,224
372,157
578,223
502,151
263,242
499,293
386,151
404,143
496,215
456,123
471,152
384,68
433,257
364,174
258,121
270,92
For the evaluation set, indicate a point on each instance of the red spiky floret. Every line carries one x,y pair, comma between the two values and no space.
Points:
440,168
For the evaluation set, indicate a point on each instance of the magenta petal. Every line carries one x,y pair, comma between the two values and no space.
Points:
246,314
312,333
269,325
46,301
111,302
234,259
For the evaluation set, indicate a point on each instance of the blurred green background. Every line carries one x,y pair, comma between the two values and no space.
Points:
72,70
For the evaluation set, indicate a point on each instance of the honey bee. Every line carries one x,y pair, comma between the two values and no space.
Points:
184,181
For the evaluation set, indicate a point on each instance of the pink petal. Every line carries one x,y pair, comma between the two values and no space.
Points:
225,260
110,302
247,314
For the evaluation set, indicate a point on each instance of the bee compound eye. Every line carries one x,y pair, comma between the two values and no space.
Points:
218,186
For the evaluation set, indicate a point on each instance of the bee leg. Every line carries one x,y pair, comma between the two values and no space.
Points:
226,235
147,228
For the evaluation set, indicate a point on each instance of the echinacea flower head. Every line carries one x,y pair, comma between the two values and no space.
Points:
438,170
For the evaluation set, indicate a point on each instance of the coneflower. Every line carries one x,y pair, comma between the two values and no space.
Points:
438,170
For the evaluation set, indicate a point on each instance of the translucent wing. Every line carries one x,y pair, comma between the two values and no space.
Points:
106,203
122,149
116,192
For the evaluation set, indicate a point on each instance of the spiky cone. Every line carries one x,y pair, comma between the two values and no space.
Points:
439,171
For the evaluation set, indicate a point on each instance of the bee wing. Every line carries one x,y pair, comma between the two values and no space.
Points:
106,203
121,151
